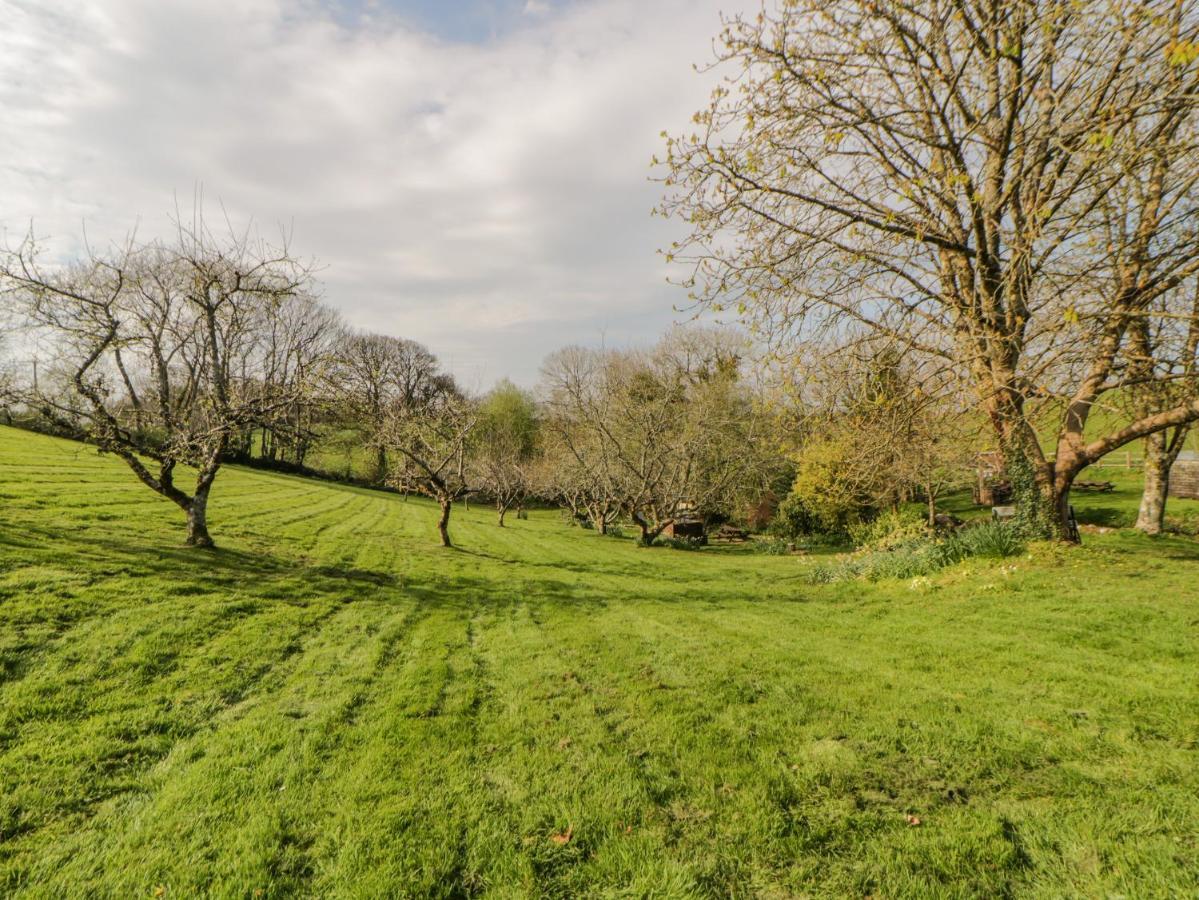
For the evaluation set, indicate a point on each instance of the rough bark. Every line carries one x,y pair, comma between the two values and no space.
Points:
1161,452
196,506
197,522
1040,487
381,464
1151,516
443,523
649,532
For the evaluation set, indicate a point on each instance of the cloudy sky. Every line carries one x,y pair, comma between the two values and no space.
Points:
469,173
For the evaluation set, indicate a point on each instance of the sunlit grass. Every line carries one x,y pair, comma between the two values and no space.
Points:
332,705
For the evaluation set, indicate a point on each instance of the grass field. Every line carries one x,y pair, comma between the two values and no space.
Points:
330,705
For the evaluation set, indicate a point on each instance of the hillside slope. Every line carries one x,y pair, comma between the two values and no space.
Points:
331,705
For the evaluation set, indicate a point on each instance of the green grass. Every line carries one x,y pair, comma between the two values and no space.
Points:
330,705
1115,510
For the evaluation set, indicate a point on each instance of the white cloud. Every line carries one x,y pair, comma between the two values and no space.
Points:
536,7
488,199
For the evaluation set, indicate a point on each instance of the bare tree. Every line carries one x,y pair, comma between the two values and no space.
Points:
8,393
159,345
655,435
944,172
879,431
432,443
505,446
376,376
297,354
582,471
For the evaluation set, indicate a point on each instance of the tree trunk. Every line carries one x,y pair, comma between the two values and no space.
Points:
1064,524
598,515
932,507
443,524
380,465
1040,489
649,533
501,511
1152,515
197,519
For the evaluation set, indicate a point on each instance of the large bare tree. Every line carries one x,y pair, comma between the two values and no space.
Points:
656,434
159,346
430,445
946,173
297,353
580,467
376,376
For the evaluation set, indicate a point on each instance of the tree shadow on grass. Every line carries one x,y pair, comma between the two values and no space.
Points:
191,571
1105,516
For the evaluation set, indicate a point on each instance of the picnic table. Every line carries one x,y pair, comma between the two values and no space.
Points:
1098,487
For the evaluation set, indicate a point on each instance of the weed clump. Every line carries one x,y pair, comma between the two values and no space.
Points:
922,556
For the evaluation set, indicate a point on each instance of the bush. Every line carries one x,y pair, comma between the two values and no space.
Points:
824,573
829,483
792,519
889,529
681,543
922,556
992,540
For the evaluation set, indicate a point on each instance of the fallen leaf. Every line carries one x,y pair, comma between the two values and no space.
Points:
564,837
160,890
913,821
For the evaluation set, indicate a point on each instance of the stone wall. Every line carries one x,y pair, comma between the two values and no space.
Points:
1184,479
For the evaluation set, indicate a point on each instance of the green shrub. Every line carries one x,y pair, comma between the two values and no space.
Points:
680,543
889,529
825,573
830,485
992,540
922,556
772,546
792,519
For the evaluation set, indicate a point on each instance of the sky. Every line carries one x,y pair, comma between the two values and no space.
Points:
471,174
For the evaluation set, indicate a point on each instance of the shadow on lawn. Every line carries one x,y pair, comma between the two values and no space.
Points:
1105,516
190,571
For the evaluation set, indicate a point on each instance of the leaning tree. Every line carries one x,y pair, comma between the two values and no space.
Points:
945,173
159,347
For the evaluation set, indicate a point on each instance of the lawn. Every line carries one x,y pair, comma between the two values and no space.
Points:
330,705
